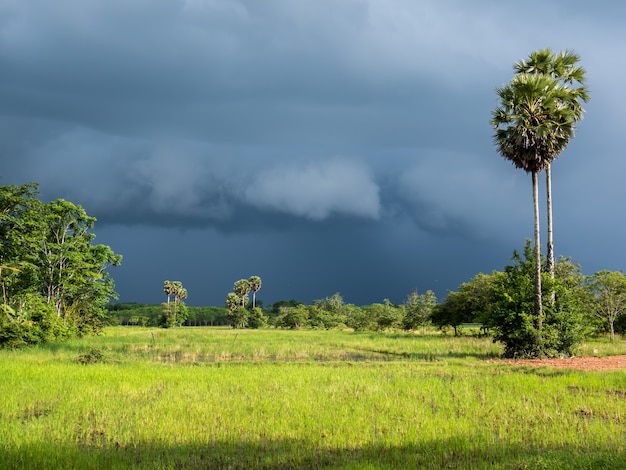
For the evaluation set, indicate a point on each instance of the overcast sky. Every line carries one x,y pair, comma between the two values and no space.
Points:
323,145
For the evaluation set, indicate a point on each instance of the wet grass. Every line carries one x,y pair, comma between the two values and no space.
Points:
218,398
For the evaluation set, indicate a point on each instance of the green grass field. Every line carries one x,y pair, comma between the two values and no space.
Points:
270,399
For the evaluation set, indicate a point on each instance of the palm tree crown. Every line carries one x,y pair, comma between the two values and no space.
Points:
534,122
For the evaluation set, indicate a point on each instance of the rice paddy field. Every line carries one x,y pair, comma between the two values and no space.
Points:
270,399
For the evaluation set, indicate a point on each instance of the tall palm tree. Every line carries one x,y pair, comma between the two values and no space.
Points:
532,125
564,67
255,286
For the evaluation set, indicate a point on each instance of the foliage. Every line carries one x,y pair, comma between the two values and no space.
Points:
93,356
359,319
242,289
469,305
386,315
238,317
511,316
608,291
418,309
327,313
173,313
54,280
134,314
274,309
256,319
237,302
292,317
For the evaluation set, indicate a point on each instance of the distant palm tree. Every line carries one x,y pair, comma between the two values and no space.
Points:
232,301
532,126
180,293
168,289
564,67
255,286
242,288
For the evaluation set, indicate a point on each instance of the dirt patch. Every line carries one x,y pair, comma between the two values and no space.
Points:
581,363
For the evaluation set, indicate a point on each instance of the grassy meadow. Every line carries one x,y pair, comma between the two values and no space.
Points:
219,398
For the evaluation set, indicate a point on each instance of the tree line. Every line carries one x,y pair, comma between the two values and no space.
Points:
500,303
152,315
54,280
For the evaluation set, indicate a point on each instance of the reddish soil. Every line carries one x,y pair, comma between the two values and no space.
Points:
581,363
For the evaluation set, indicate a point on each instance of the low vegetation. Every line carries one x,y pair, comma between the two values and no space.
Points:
225,398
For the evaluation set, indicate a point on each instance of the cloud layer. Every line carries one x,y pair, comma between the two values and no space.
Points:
354,130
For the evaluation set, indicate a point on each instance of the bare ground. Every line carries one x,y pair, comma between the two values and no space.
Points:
581,363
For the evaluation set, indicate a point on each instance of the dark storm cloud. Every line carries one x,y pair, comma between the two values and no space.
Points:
343,143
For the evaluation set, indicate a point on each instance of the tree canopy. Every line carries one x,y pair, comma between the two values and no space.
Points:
54,279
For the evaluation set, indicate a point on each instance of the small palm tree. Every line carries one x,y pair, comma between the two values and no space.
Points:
168,289
255,286
532,126
232,301
242,288
180,293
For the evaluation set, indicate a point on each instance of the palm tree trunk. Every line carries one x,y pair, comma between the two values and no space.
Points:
538,301
550,243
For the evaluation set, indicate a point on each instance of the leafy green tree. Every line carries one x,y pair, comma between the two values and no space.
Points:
387,316
72,272
511,318
292,317
608,289
19,223
240,317
328,312
359,319
276,309
256,318
418,309
330,304
47,255
532,125
168,315
470,304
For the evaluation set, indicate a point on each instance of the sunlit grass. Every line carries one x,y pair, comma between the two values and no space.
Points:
218,398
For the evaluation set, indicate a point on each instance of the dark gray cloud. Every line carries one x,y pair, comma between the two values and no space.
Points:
323,145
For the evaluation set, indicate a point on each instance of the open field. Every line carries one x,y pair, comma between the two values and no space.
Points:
222,398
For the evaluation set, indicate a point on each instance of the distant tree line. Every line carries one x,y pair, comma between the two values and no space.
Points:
332,312
500,304
54,280
134,314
